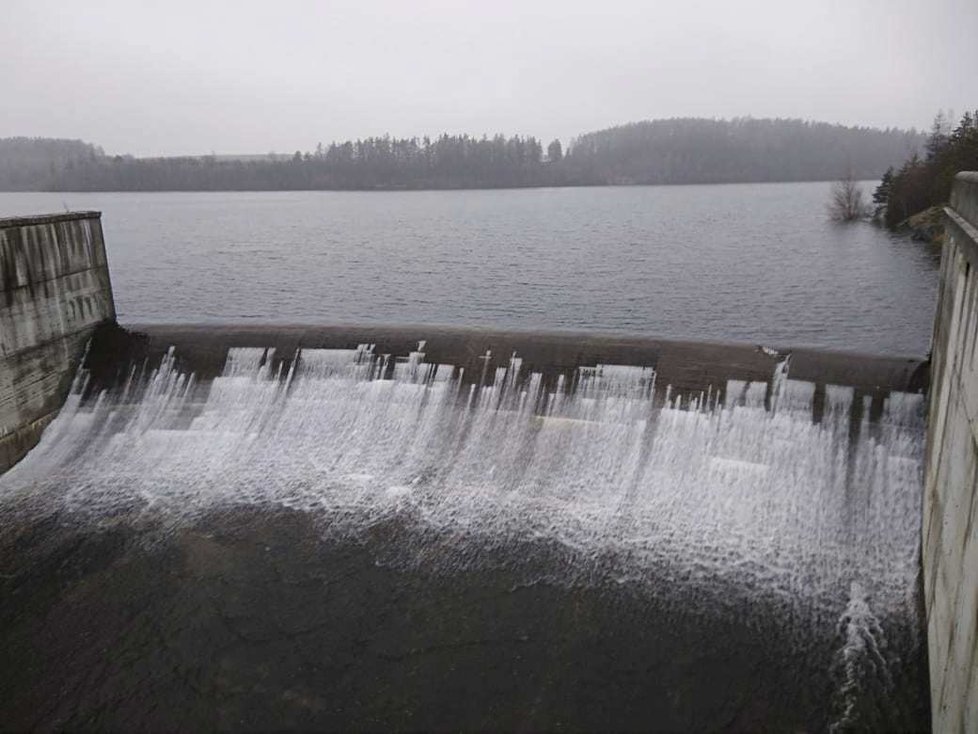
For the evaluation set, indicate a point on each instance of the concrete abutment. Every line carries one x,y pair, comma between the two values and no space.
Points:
950,512
54,291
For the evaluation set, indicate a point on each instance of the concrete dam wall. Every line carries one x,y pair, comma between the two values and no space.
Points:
687,368
950,523
54,291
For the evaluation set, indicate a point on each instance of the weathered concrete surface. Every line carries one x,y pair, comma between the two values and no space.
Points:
950,531
54,290
687,367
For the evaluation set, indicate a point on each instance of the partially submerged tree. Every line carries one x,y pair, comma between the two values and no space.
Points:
846,203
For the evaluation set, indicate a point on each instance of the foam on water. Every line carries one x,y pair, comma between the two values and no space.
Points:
749,490
864,684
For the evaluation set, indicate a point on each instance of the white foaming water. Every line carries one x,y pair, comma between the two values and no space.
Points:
864,684
788,509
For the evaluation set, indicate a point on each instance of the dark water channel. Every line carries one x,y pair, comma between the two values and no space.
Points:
250,621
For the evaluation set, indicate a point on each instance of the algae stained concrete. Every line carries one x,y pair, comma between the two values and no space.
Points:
950,530
54,291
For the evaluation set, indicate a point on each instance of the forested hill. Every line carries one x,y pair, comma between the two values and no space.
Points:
656,152
29,164
720,151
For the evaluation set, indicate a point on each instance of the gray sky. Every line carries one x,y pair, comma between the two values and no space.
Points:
235,76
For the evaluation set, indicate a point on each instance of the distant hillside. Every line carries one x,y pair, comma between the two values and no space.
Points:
250,157
29,164
688,150
676,151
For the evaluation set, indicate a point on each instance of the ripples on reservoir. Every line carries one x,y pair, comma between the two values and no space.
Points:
744,262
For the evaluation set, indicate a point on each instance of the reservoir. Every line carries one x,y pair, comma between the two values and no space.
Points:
756,263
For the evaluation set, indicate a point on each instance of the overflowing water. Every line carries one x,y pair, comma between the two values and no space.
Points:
704,488
726,501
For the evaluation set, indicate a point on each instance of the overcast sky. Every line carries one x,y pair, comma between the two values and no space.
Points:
240,76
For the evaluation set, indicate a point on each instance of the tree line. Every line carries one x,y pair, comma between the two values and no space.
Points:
35,164
739,150
675,151
925,181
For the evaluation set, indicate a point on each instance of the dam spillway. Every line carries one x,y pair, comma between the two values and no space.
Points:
440,534
399,527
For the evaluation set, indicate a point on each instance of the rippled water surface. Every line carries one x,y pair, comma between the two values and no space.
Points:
750,262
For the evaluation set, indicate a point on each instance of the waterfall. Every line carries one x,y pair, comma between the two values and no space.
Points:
698,490
748,531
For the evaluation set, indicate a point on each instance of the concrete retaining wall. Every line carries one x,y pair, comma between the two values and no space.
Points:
54,291
687,367
950,522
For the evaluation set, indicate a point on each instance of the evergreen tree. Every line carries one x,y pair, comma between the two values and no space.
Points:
920,184
939,136
882,194
555,152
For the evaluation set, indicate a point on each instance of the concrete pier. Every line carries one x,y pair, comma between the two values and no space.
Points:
950,530
54,291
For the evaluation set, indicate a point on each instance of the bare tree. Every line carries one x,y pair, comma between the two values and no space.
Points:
846,203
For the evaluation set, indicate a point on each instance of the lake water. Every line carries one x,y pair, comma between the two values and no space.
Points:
756,263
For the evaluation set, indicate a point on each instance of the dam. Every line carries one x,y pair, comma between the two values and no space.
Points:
417,527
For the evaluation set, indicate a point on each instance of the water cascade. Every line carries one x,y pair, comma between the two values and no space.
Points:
734,504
